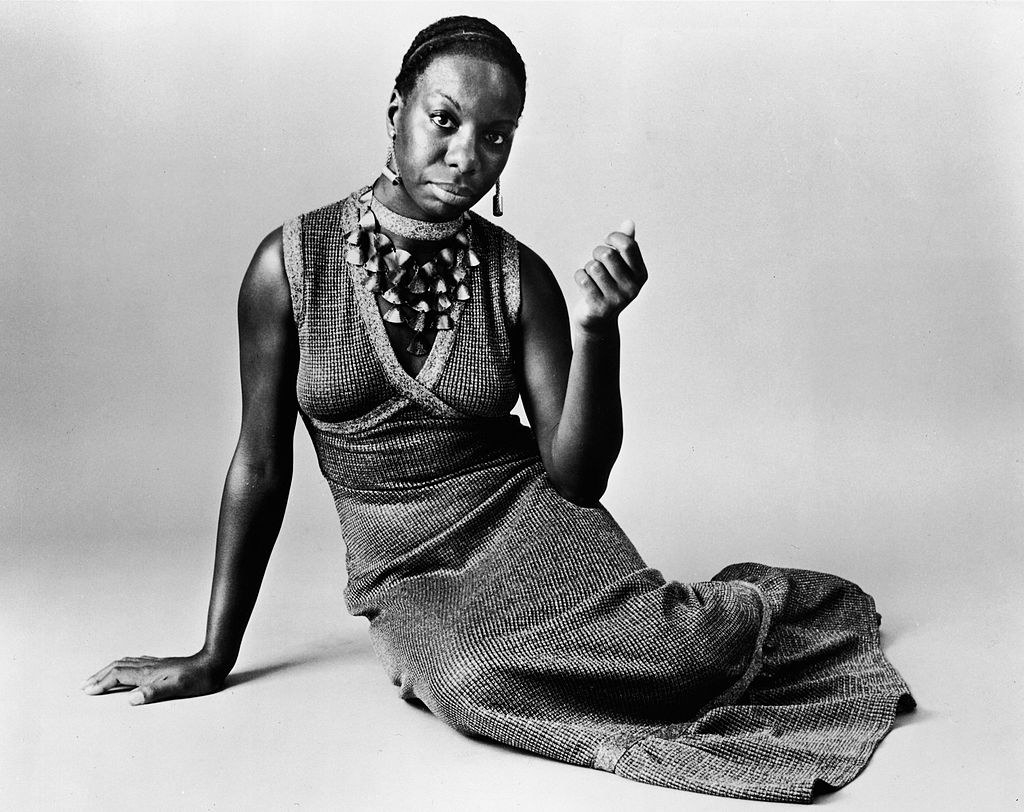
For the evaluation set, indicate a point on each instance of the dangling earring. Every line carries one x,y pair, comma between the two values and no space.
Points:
387,171
496,206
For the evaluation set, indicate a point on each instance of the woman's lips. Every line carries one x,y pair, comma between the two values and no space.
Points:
450,193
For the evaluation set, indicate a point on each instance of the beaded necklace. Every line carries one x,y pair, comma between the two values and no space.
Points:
418,295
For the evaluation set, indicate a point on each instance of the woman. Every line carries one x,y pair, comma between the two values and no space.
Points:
499,592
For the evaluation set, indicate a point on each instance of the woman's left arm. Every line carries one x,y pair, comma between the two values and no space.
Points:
571,394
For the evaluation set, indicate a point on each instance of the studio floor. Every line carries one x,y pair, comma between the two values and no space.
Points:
309,721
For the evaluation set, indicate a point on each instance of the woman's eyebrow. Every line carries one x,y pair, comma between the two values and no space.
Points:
455,104
511,122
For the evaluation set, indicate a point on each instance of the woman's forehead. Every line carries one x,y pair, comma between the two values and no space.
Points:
471,82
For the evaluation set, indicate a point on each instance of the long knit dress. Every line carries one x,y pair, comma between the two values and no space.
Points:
515,615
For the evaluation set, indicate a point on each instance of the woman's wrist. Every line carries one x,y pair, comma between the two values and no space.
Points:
220,662
598,331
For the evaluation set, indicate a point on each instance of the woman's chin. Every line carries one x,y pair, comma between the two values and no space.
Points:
441,205
426,202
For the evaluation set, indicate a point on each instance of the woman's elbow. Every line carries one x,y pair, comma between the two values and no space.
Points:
579,475
586,494
262,471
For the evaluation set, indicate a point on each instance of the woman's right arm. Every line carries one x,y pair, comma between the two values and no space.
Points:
254,498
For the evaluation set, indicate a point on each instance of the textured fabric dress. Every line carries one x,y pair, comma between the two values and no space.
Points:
516,615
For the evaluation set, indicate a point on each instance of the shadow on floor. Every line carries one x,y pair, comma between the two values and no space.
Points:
313,654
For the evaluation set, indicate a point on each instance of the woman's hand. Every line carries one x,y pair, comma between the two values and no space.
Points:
158,678
609,281
570,387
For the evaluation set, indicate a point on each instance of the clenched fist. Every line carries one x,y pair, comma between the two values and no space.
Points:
609,281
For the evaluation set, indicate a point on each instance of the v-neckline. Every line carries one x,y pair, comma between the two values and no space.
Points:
381,341
397,337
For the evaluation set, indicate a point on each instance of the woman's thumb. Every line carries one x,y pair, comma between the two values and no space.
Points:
151,692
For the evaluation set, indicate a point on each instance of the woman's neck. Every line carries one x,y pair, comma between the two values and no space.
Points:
395,198
421,238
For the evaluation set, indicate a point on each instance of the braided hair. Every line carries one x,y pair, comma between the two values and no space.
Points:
468,36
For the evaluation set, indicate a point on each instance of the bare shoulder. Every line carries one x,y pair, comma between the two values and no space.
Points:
533,268
265,284
540,289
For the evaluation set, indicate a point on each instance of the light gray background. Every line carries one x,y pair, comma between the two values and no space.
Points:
825,370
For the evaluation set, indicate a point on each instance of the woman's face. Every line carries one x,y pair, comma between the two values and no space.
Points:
452,136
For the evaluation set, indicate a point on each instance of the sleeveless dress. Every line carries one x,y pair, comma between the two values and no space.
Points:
515,615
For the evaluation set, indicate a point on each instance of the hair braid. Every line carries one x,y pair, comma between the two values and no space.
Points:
472,36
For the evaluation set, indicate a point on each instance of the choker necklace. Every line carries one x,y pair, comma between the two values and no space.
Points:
423,296
414,229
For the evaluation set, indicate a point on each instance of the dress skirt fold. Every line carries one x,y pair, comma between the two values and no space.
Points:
517,616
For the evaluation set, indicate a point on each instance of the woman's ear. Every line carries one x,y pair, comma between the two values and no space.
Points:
394,108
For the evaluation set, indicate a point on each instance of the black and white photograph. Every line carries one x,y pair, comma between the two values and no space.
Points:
511,406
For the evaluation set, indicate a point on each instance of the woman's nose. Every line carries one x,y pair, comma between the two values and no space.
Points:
462,153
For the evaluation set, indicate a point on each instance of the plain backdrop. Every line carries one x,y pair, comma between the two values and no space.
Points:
826,369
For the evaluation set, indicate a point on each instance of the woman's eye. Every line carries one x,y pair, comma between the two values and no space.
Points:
497,139
442,120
